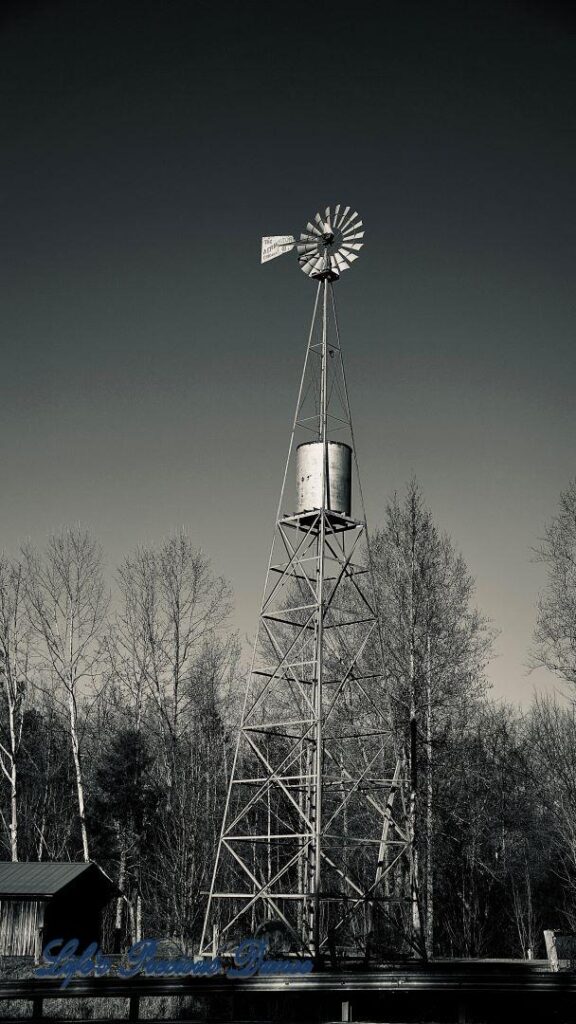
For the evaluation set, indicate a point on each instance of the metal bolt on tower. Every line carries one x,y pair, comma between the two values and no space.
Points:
314,846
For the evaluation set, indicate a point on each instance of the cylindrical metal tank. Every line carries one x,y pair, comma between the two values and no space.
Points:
309,476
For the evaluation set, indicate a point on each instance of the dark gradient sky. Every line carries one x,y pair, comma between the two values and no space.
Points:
150,365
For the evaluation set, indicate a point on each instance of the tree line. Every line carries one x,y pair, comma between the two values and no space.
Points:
118,714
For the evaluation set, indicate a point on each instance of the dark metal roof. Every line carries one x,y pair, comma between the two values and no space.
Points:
43,878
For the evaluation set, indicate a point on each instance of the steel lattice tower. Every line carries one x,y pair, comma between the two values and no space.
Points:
314,840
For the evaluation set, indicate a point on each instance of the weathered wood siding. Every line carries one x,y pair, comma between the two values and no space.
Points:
21,922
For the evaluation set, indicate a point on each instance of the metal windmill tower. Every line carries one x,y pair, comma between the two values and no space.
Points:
314,844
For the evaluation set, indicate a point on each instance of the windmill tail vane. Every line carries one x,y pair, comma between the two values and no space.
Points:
328,246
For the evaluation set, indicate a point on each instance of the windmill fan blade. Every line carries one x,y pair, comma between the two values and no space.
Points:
352,236
338,223
340,261
308,258
313,228
317,267
343,226
353,226
354,245
350,256
308,268
328,218
319,221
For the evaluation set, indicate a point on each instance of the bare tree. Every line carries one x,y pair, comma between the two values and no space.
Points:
552,734
14,667
555,633
46,798
174,658
67,603
435,646
172,610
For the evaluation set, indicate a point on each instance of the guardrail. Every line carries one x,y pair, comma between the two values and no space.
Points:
319,998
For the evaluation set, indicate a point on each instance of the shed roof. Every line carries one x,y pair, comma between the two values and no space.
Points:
46,878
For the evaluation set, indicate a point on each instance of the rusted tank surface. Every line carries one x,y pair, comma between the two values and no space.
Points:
309,459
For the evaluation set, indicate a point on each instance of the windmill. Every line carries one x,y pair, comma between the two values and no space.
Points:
327,247
316,843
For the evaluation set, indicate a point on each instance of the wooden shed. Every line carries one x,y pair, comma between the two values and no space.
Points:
43,900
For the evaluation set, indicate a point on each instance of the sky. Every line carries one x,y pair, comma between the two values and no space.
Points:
149,364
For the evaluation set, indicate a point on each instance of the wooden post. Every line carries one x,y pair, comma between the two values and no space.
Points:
551,951
346,1011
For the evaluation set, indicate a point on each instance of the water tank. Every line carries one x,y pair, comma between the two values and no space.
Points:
309,476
